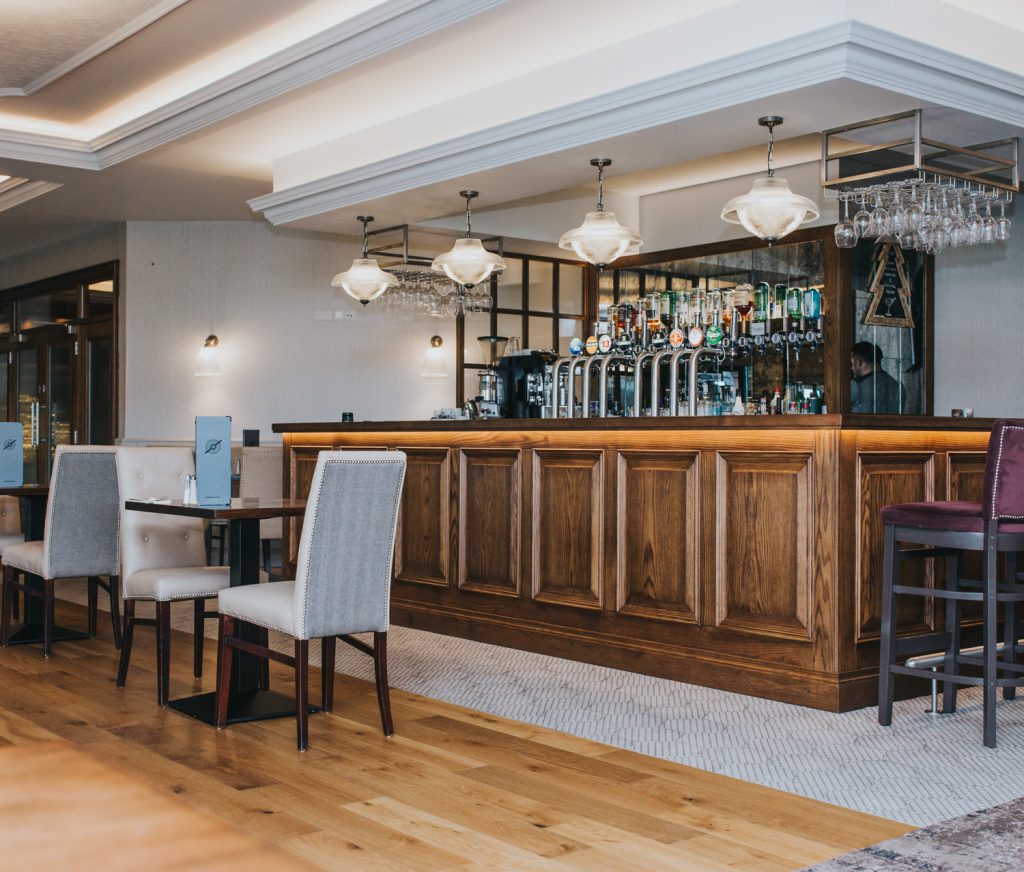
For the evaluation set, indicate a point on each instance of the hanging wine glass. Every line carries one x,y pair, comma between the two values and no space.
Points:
988,224
862,220
846,231
914,211
878,225
1003,224
974,225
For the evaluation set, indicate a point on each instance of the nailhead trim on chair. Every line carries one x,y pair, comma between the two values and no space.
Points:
995,482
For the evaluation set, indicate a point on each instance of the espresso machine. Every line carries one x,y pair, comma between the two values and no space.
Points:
490,403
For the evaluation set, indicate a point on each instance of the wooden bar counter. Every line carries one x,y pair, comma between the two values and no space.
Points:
734,552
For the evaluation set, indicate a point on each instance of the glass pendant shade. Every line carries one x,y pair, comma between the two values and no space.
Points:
468,263
600,239
208,361
771,210
364,280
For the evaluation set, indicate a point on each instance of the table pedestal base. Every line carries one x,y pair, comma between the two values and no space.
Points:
258,705
32,633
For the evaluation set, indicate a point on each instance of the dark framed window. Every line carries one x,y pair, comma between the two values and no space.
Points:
539,302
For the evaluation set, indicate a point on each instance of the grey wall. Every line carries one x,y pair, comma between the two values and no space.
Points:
257,288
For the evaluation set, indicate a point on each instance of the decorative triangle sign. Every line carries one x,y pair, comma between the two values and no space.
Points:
890,290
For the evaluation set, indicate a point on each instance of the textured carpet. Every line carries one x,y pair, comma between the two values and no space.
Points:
921,770
983,841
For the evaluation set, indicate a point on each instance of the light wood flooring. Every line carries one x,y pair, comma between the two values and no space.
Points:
453,789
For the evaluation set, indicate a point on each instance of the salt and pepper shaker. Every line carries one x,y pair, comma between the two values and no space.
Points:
190,496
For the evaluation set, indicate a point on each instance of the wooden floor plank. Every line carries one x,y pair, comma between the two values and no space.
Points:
454,790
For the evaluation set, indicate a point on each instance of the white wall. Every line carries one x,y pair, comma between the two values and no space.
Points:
692,216
257,287
979,322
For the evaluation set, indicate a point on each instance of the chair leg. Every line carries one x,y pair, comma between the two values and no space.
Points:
1010,622
990,633
263,680
163,653
126,644
953,613
380,672
328,645
114,585
302,693
8,599
225,655
198,610
47,616
265,545
94,595
887,653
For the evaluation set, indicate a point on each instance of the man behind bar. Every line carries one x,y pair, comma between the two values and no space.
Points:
873,389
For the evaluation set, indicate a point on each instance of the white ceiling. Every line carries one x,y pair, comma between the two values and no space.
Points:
47,39
191,109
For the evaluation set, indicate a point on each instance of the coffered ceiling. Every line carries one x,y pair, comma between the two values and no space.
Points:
304,112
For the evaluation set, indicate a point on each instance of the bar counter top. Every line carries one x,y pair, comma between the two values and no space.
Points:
757,422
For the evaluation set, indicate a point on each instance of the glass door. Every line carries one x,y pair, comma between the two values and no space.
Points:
29,400
44,365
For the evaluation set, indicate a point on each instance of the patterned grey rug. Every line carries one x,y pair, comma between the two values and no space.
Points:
921,770
983,841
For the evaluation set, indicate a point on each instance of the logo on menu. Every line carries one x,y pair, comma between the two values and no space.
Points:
9,444
213,446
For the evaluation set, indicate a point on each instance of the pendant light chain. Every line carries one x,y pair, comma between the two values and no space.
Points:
365,219
771,147
600,188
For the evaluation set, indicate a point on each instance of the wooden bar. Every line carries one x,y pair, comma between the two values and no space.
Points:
742,553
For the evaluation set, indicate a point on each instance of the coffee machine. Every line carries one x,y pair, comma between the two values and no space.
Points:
491,400
526,377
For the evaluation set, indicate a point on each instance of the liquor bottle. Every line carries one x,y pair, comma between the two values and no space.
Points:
668,309
762,304
794,306
812,304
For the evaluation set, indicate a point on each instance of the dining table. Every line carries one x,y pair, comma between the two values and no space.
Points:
247,700
33,523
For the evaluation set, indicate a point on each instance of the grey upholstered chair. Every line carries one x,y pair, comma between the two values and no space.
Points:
10,532
163,557
342,580
79,538
261,477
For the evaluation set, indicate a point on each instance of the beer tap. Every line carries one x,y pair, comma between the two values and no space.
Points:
602,379
585,399
641,359
656,378
556,385
673,378
694,362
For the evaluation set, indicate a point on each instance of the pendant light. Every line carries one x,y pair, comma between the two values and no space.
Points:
600,239
468,263
771,210
364,280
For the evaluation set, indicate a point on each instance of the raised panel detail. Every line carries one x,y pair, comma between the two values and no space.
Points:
567,520
424,524
885,479
489,513
763,543
658,532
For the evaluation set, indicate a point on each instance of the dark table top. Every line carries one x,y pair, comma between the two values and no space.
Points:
249,508
27,490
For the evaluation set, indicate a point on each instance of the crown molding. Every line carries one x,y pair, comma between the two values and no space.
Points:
40,148
96,49
383,28
22,191
851,50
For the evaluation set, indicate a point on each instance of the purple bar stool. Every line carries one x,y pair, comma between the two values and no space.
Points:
947,529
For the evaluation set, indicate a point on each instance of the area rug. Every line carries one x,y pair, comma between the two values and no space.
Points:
991,840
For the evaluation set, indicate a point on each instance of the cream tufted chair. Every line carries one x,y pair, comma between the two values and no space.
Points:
163,557
79,538
342,581
261,477
10,531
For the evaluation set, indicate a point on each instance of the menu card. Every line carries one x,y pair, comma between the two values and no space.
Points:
12,454
213,460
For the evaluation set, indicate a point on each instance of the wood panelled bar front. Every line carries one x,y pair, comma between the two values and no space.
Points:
732,552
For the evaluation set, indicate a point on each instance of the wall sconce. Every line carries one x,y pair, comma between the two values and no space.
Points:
433,361
208,361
